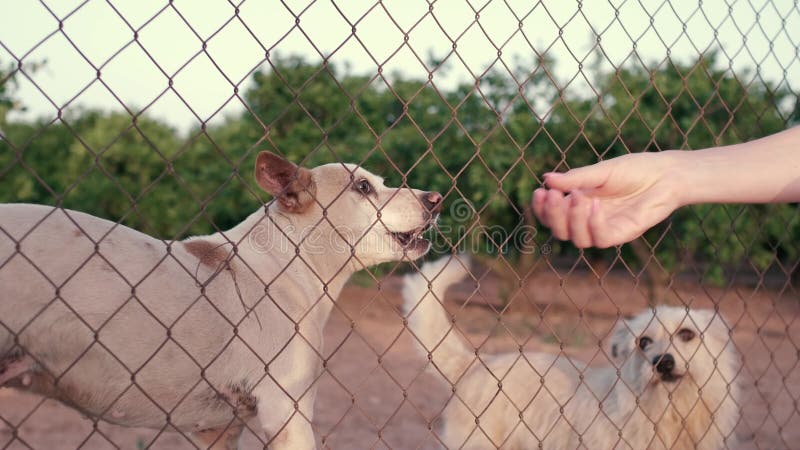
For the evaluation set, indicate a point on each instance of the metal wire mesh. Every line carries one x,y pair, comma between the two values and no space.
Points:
498,94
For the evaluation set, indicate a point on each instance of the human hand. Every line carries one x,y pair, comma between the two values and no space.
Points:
611,202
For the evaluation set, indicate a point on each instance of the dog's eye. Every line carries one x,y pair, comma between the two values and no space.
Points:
644,341
363,186
686,334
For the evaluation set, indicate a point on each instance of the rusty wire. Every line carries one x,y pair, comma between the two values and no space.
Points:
755,378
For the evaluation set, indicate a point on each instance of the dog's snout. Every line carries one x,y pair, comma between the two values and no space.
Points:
664,363
432,201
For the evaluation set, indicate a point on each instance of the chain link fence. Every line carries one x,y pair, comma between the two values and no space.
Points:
293,331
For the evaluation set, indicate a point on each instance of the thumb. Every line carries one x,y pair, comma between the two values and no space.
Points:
584,178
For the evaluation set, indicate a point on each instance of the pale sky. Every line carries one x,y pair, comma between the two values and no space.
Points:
764,34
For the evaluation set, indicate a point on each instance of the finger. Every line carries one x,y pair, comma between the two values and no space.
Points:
603,234
539,198
556,214
586,178
579,210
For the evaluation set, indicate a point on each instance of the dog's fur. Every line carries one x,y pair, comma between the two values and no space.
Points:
519,401
205,333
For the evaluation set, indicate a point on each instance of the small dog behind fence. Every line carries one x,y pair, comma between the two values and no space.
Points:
671,384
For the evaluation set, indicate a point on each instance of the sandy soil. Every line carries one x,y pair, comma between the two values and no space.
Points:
375,393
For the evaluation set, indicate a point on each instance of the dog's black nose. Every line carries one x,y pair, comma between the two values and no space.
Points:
664,363
432,201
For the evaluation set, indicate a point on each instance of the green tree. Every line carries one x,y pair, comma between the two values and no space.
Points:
684,106
487,141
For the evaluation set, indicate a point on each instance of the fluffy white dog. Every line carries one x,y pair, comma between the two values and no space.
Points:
671,385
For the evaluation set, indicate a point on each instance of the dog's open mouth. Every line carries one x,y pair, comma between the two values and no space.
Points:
412,239
407,238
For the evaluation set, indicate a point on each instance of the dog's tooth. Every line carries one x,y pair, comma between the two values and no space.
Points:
26,380
117,414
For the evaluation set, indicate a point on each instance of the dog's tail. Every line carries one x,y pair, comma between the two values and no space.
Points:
436,337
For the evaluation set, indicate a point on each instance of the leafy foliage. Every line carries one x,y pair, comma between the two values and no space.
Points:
482,141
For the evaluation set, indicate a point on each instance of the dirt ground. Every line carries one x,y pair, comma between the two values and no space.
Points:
375,393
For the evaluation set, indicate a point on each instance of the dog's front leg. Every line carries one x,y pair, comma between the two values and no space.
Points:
219,438
296,435
288,426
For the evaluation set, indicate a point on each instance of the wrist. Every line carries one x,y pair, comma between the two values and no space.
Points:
704,176
680,175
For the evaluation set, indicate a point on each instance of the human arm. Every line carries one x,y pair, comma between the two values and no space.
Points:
615,201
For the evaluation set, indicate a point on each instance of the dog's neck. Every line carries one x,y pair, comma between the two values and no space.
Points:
680,417
270,236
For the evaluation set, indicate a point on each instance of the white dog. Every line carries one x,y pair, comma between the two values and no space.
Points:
672,384
205,333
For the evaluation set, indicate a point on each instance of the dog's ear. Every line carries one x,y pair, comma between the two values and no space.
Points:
291,185
619,341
